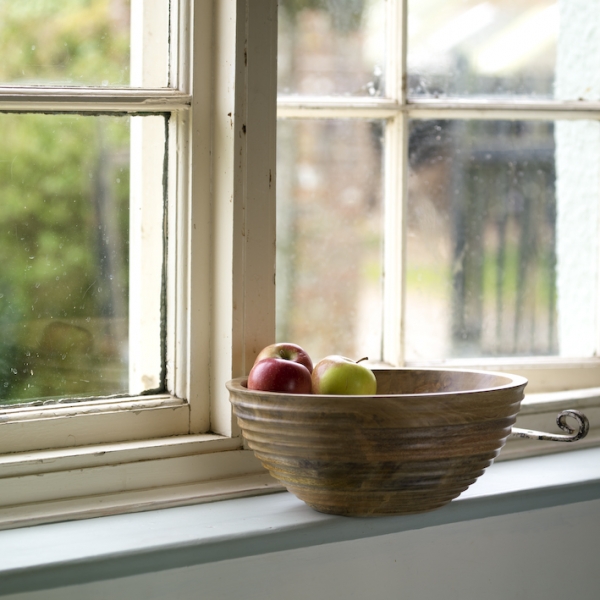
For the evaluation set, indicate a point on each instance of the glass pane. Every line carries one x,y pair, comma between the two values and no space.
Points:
460,47
83,42
501,247
64,247
328,47
329,236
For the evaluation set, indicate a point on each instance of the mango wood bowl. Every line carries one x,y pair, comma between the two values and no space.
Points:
419,443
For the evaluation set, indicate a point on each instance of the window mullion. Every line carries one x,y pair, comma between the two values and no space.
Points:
189,218
146,201
395,186
258,178
395,179
395,69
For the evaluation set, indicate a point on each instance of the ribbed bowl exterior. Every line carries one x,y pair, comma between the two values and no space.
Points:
423,440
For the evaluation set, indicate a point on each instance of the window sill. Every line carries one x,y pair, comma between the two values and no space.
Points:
108,479
54,555
95,481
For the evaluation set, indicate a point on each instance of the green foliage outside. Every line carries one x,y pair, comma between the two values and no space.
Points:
81,42
64,191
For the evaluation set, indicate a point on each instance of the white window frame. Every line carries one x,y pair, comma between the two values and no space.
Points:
555,383
94,457
97,457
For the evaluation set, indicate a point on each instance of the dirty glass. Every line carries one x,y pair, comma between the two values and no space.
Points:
328,47
485,222
65,42
329,236
64,250
497,47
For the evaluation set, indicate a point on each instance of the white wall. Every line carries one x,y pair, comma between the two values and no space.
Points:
544,554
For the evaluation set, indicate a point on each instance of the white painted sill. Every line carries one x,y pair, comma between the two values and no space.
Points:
60,554
86,482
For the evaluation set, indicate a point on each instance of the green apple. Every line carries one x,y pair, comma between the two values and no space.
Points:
342,376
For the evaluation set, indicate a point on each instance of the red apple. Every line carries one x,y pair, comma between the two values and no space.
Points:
280,375
287,351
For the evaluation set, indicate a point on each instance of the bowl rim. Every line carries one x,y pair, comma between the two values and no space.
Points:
515,381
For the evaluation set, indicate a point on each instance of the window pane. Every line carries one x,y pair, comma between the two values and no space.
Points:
327,47
83,42
329,236
64,247
502,238
495,47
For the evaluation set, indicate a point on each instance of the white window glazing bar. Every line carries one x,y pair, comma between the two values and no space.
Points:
518,110
191,232
427,108
394,247
499,105
307,107
395,187
149,66
89,99
396,51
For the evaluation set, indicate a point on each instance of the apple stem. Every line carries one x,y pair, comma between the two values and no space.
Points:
363,358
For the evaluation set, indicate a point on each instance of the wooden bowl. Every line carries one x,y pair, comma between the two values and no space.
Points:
419,443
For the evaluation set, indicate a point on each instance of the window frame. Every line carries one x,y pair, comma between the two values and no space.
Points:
185,447
555,383
89,457
396,107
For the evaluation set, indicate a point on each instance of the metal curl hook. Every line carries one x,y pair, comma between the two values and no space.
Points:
572,434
